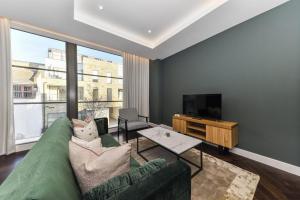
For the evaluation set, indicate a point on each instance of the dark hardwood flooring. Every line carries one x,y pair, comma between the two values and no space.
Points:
8,163
274,184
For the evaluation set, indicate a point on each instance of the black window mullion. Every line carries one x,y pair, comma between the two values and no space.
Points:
72,102
101,76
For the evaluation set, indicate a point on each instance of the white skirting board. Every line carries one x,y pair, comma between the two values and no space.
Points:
24,147
268,161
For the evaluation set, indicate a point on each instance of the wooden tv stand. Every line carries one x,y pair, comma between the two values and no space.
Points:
222,133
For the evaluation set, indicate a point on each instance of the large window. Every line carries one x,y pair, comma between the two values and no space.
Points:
100,82
39,83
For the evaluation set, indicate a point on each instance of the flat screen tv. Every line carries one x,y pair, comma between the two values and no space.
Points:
207,106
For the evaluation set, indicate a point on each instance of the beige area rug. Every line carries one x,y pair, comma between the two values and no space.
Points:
218,180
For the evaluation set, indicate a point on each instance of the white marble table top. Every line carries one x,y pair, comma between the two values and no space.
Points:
177,142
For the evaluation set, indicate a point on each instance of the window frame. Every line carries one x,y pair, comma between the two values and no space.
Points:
98,79
67,40
47,101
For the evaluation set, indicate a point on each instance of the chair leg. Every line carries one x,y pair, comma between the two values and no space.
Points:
118,130
118,133
126,132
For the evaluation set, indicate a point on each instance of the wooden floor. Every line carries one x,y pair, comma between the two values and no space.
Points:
274,184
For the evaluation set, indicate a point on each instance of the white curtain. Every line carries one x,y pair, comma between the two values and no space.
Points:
136,83
7,136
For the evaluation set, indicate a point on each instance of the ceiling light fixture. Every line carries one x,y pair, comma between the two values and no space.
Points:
149,31
100,7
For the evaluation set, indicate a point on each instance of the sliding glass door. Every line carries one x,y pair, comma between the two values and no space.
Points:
39,83
39,72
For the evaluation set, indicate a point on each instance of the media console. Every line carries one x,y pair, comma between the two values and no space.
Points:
222,133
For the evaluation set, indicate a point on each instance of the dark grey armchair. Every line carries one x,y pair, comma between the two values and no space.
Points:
129,121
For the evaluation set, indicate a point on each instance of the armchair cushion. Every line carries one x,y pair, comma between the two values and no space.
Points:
130,114
134,125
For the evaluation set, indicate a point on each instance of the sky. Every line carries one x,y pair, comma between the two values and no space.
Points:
33,48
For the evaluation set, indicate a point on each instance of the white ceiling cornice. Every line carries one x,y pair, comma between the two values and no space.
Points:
87,17
58,16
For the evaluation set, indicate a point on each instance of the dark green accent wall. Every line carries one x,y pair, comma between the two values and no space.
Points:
256,66
155,91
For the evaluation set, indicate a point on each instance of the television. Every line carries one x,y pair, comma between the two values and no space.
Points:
207,106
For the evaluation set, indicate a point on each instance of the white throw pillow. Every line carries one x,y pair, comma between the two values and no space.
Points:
94,145
92,169
88,132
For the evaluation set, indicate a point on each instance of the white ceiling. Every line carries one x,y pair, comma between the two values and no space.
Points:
131,19
123,24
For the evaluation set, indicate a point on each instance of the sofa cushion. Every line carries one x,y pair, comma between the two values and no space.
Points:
94,145
111,188
92,169
109,141
141,173
102,125
134,125
45,173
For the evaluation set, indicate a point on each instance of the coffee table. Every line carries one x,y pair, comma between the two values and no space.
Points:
175,143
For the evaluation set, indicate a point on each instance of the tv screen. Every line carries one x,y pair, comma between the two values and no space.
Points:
203,105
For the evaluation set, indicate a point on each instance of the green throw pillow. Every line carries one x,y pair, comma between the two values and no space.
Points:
111,188
141,173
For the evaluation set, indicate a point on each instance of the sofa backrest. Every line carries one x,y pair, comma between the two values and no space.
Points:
45,172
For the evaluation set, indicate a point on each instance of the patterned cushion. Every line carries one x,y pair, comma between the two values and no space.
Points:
79,123
88,132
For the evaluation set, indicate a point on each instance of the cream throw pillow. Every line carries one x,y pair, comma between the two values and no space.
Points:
94,145
92,169
85,131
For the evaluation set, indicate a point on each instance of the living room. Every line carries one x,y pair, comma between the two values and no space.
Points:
149,99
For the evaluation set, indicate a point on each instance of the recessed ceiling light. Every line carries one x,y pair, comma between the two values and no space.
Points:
149,31
100,7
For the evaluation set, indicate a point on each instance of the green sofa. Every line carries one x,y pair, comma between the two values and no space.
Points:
46,173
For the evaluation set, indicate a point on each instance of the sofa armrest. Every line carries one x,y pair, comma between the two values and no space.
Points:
172,182
102,125
146,118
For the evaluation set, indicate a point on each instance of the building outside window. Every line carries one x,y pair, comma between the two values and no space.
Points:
80,93
108,80
24,91
102,77
39,83
120,94
40,87
95,76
